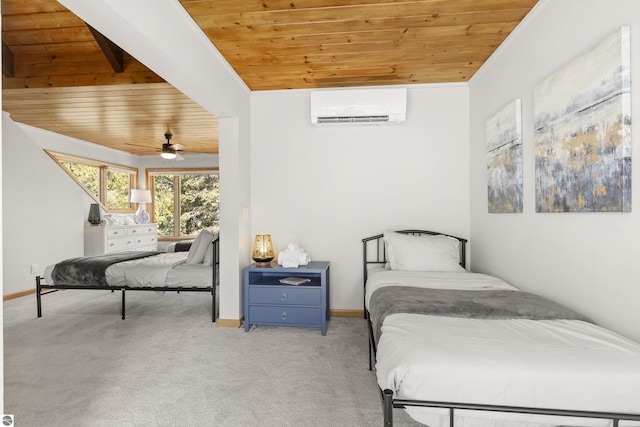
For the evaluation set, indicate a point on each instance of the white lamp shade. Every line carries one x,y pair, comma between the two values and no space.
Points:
140,196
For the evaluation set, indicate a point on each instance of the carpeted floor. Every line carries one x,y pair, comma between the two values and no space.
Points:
168,365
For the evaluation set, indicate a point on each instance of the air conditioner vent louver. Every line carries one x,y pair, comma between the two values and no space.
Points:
358,106
354,119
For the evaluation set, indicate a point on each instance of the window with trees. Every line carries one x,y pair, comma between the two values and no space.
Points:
184,201
109,184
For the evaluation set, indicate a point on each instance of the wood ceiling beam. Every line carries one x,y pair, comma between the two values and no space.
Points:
113,52
7,61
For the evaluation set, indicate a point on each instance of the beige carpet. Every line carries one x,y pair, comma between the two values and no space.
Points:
168,365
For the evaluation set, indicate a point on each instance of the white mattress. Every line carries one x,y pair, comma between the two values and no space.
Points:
164,269
564,364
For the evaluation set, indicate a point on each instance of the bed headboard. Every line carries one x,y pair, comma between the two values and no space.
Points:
374,251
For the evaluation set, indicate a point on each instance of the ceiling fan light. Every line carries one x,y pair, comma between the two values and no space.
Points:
169,155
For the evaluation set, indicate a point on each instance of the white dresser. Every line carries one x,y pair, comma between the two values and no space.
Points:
99,240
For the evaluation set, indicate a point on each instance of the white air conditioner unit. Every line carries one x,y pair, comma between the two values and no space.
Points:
359,106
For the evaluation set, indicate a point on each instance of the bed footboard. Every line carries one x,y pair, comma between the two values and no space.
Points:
387,407
389,403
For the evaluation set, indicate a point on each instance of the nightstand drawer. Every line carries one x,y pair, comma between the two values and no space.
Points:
301,316
285,295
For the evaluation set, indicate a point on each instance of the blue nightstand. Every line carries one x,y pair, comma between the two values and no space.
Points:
269,302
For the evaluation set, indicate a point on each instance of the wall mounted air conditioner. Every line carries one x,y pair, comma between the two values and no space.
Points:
358,106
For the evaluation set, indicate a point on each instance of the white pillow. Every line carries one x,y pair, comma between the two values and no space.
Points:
199,247
422,253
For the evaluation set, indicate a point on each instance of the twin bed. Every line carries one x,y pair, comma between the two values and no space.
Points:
190,268
470,350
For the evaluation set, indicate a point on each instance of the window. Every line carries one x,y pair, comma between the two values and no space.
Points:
184,201
108,184
119,182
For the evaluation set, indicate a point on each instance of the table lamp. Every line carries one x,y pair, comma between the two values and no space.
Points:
141,197
263,249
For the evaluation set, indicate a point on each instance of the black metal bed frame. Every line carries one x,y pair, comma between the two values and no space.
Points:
212,289
374,253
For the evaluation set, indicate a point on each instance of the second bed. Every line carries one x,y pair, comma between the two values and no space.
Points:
468,349
195,270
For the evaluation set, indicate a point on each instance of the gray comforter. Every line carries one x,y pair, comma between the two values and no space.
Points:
90,271
486,304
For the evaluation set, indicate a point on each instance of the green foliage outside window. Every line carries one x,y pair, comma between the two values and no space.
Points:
87,175
196,197
118,183
199,197
163,204
107,183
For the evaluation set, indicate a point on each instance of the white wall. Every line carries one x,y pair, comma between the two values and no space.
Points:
326,188
48,140
587,261
44,211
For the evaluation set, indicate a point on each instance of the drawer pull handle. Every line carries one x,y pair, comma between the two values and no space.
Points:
115,232
284,316
283,297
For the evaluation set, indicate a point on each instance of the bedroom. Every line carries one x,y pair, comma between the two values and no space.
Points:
351,182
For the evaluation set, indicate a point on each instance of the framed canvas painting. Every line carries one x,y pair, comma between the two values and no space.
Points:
582,119
504,159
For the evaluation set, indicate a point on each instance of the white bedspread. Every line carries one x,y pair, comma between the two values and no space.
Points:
563,364
144,272
164,269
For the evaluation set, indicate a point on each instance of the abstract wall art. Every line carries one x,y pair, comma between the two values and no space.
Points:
504,159
582,119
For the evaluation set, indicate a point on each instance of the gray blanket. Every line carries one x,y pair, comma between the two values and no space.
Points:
90,271
489,304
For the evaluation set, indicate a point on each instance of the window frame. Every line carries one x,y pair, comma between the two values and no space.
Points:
151,172
103,168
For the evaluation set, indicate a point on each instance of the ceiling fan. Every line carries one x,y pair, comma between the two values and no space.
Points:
168,151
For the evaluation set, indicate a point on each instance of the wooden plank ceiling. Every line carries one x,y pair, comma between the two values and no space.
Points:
60,75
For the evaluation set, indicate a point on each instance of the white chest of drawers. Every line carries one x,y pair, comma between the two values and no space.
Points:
118,238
